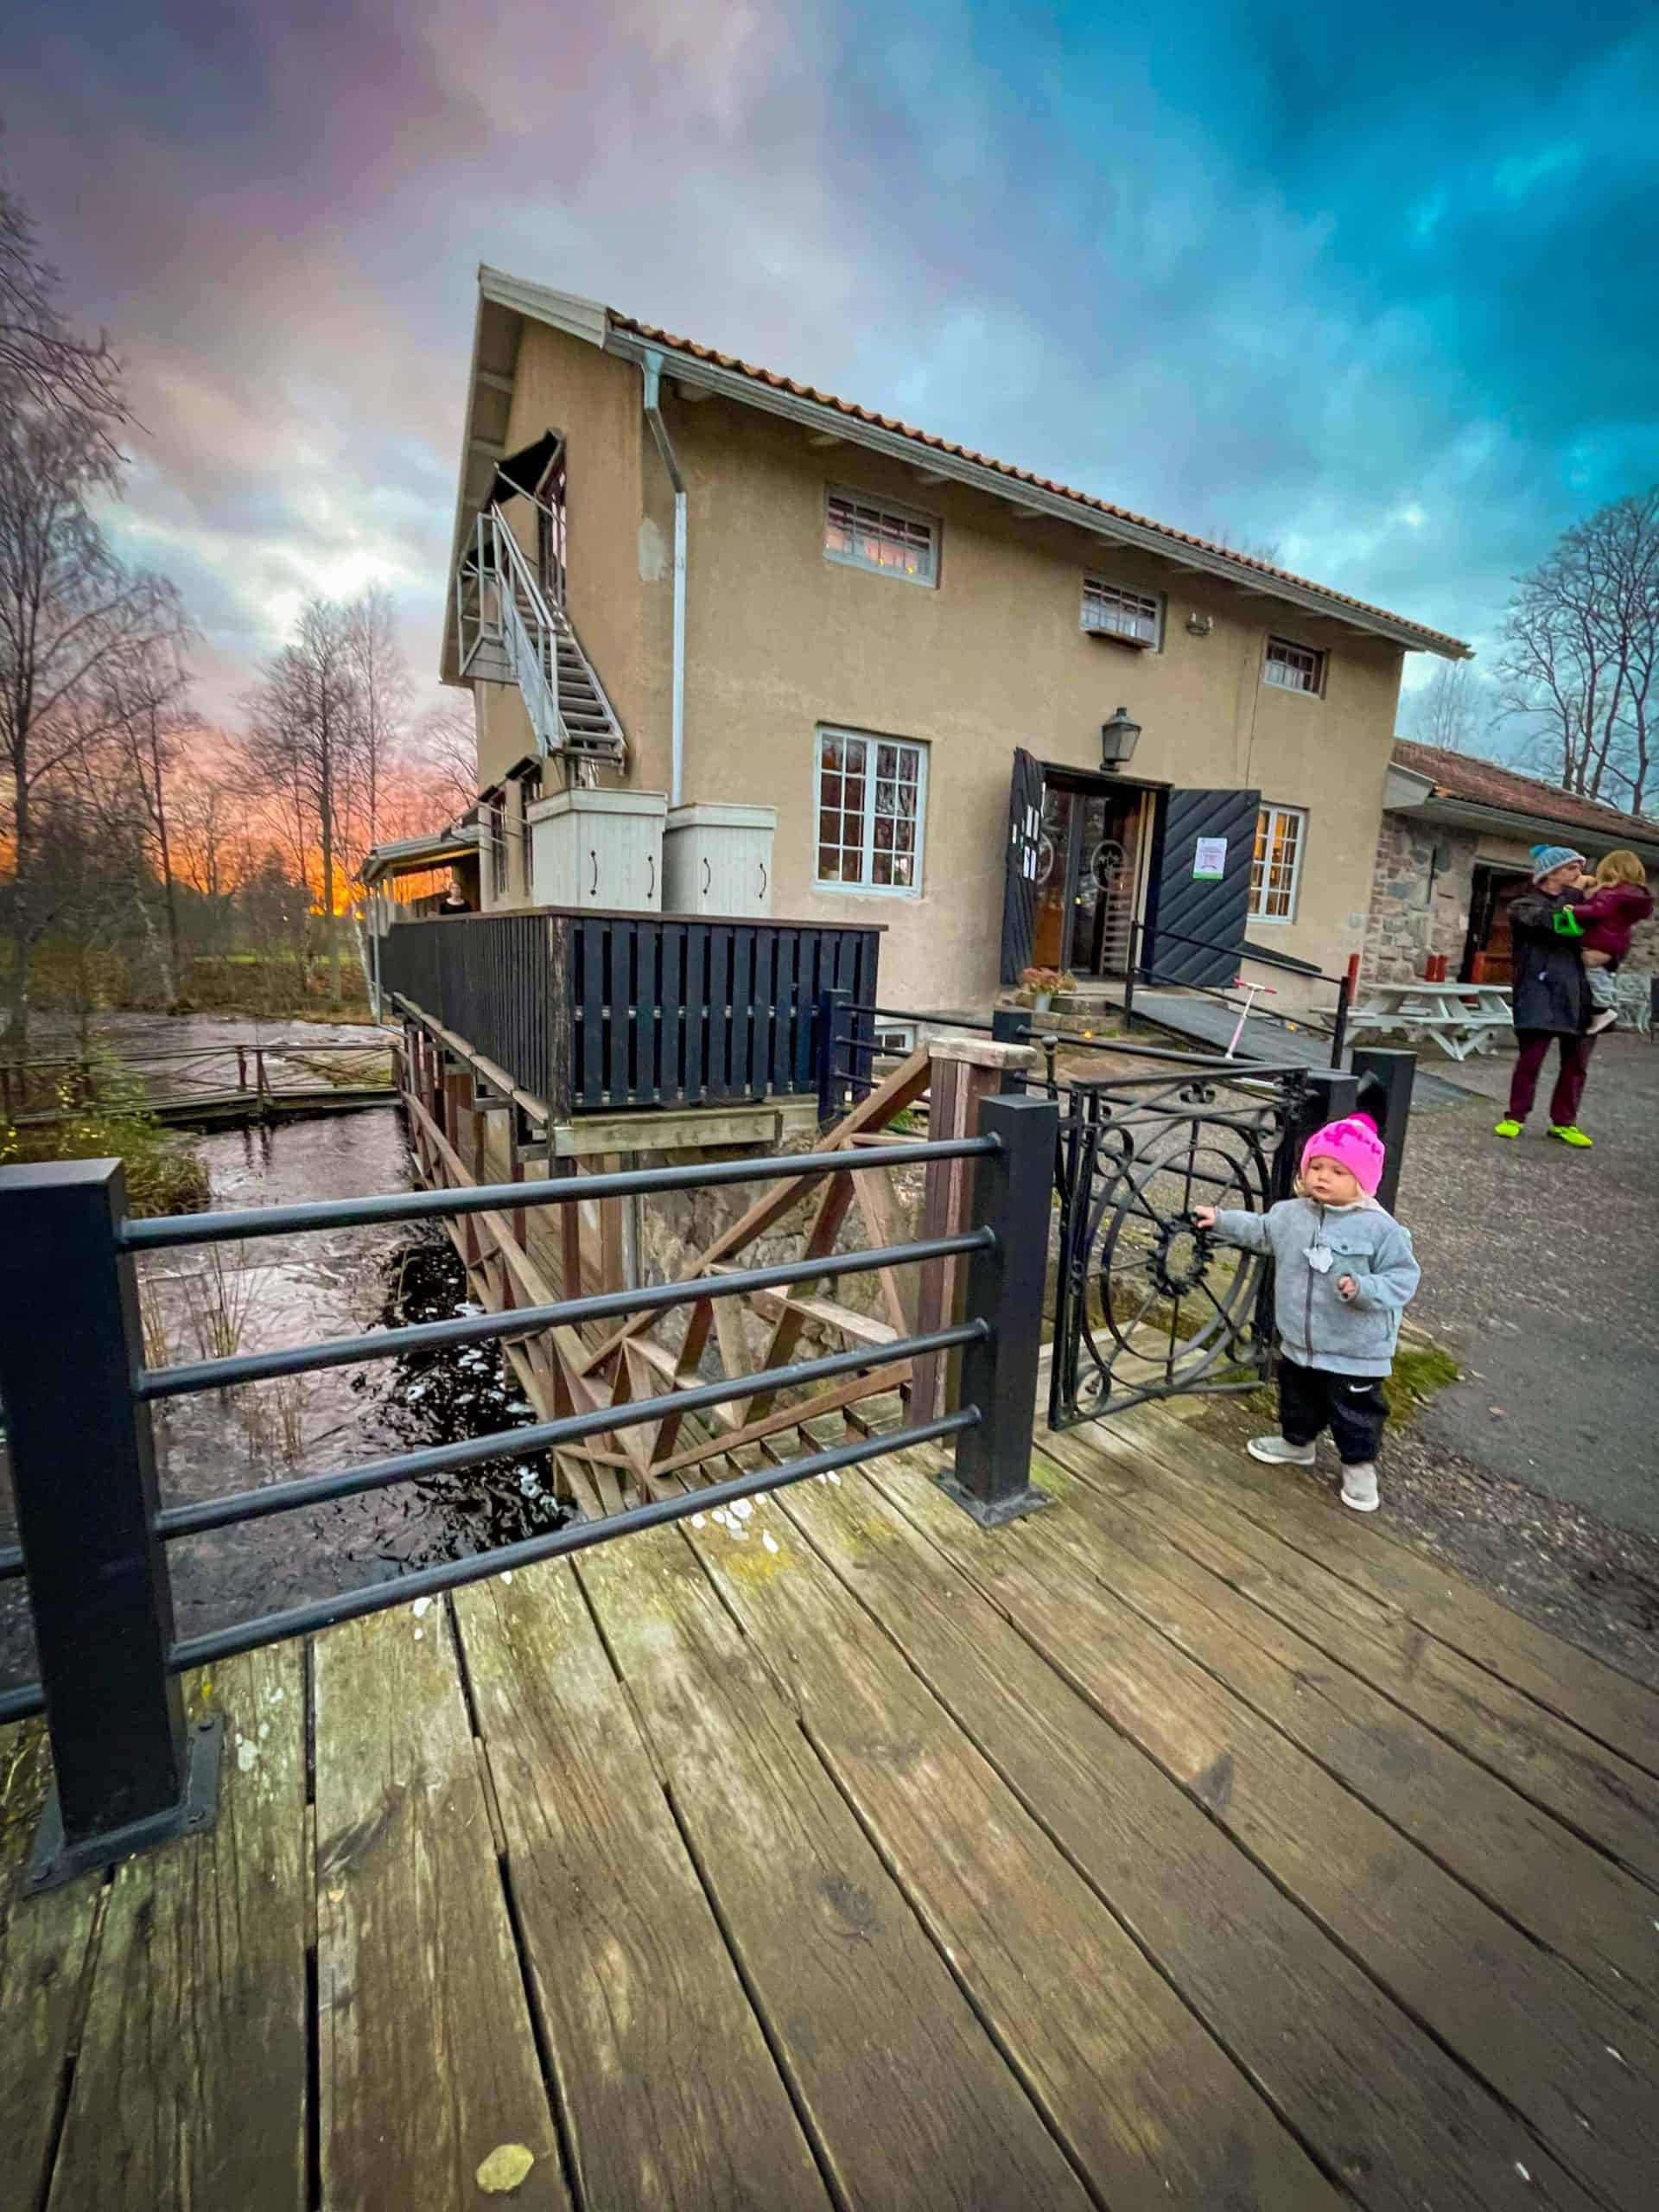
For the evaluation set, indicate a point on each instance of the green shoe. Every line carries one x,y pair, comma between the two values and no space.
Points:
1570,1133
1508,1126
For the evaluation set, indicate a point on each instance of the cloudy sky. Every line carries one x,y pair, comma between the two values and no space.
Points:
1383,296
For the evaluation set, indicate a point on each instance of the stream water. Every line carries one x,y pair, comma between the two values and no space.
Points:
285,1290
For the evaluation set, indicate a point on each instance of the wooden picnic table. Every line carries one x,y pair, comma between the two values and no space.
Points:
1461,1018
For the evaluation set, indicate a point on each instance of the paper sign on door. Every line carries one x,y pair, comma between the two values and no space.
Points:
1209,858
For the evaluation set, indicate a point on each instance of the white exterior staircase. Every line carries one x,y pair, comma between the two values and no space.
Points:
512,633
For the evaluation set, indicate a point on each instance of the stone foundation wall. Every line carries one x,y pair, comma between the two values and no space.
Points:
1417,910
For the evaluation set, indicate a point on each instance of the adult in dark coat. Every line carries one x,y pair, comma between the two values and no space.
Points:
1550,997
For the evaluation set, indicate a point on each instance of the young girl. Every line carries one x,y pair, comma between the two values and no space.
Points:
1618,900
1343,1272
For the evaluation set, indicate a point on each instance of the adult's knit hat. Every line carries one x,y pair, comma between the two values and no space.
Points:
1353,1144
1546,859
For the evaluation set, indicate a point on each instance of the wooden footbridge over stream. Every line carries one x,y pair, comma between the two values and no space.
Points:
883,1802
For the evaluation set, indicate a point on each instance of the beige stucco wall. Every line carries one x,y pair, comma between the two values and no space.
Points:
780,639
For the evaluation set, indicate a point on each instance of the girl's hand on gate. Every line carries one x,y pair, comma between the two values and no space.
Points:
1346,1286
1204,1217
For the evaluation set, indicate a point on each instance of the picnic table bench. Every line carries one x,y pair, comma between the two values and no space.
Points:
1461,1018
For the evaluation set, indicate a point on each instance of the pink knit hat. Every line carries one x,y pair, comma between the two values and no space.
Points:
1353,1144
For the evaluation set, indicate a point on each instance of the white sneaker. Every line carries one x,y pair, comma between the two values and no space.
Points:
1605,1020
1277,1452
1359,1489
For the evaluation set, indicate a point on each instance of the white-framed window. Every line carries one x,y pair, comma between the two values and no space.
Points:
1276,868
867,533
871,799
895,1038
1293,667
1108,610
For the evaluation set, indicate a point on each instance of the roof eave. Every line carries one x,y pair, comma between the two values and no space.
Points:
731,383
1471,814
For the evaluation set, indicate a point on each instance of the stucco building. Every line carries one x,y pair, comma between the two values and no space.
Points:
728,589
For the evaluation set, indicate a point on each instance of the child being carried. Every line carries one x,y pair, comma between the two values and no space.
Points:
1343,1272
1618,900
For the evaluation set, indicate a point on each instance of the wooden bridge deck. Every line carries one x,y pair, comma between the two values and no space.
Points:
1187,1844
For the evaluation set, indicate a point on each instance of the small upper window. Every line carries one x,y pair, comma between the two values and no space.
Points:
867,536
1135,617
1295,668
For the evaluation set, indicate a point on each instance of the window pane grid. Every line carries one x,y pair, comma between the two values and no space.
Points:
871,536
1121,613
1293,668
1275,864
869,812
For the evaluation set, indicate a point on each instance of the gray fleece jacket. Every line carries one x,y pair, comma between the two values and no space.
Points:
1316,1327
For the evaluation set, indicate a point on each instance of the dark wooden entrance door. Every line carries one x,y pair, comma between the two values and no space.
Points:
1087,869
1489,949
1199,896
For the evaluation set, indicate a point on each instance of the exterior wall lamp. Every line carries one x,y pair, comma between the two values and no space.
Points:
1118,738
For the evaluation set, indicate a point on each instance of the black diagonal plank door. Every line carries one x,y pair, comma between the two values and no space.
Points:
1020,887
1200,886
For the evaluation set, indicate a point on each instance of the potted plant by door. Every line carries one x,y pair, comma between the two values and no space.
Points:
1042,985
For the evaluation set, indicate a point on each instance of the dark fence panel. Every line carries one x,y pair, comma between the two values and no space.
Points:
684,1012
491,979
597,1012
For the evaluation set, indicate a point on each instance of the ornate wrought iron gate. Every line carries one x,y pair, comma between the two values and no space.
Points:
1150,1306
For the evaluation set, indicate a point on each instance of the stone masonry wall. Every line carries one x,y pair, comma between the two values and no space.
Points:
1411,916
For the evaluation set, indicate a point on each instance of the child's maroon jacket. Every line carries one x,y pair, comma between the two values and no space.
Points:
1608,915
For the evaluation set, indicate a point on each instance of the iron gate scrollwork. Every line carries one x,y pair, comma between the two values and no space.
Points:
1149,1305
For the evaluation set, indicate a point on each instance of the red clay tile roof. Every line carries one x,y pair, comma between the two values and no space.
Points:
1484,783
1435,639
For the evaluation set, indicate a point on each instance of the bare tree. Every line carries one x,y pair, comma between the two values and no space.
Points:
382,682
146,702
1264,550
446,742
303,720
42,361
1453,710
1580,668
73,621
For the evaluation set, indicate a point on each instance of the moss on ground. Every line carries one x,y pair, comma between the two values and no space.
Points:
164,1173
1419,1370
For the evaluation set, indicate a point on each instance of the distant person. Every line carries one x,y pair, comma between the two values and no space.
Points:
1344,1272
1550,998
1618,900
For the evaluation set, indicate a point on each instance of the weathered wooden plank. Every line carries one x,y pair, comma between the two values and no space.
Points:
906,2100
428,2061
1531,1749
1550,2047
671,2094
47,1951
1608,1705
191,2084
1142,2099
1522,1858
787,1417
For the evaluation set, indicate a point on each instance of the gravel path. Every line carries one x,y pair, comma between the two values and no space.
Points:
1541,1274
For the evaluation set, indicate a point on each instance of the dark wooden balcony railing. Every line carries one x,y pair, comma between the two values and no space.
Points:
597,1012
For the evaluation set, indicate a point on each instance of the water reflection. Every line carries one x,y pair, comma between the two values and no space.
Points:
287,1290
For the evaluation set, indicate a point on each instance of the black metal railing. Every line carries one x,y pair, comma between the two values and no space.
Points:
95,1529
597,1012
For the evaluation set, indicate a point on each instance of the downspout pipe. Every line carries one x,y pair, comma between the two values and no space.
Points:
652,369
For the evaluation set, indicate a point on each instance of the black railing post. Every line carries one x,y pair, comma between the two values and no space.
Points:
1339,1027
1385,1081
835,1043
1012,1192
1322,1094
1128,976
128,1771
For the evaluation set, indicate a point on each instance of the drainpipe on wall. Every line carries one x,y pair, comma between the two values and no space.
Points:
652,369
